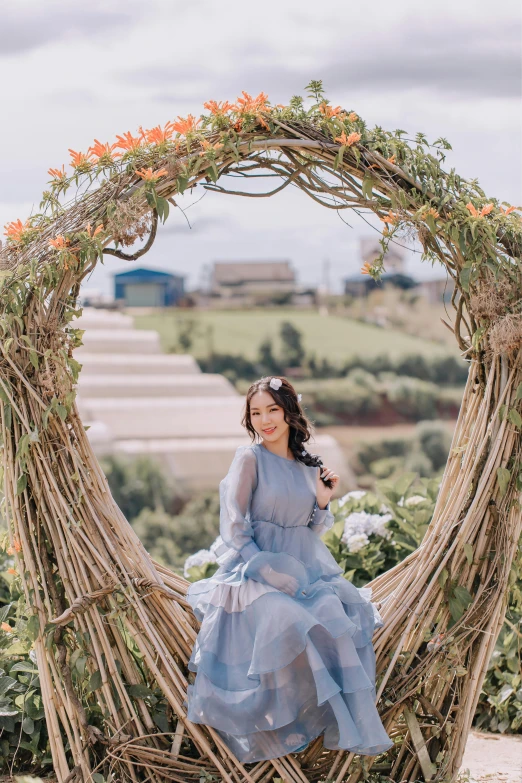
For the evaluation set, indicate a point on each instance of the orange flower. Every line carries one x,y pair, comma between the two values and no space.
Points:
353,138
353,116
250,105
391,159
6,627
128,142
17,547
509,210
188,125
205,143
78,159
15,230
151,176
158,135
57,173
59,242
329,111
390,218
99,151
484,211
431,211
12,571
347,141
218,108
92,233
365,269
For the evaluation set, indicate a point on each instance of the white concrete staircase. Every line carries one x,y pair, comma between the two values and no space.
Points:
138,400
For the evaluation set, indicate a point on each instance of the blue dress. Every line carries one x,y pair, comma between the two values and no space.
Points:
274,671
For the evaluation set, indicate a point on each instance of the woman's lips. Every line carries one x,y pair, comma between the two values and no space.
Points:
269,430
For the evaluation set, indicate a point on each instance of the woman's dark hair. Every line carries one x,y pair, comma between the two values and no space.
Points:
286,397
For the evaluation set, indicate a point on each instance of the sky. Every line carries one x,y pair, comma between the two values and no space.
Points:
74,71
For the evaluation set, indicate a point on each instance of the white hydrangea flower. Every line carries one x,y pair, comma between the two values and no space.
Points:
356,494
379,524
401,501
357,541
414,500
199,558
384,509
360,522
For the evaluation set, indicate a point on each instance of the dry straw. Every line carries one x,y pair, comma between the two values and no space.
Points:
96,593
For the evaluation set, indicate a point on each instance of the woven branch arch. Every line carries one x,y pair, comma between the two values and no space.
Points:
95,591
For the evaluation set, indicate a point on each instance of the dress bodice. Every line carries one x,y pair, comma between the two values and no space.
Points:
285,490
266,500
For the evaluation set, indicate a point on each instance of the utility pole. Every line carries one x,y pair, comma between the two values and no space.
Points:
324,288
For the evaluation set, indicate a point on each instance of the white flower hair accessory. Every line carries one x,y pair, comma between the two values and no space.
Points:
299,397
275,383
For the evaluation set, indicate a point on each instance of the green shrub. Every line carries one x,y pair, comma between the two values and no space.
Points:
169,539
413,398
141,482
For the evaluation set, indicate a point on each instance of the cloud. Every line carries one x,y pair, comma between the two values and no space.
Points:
176,224
447,58
31,25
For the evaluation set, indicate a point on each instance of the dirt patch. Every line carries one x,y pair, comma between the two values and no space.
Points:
492,758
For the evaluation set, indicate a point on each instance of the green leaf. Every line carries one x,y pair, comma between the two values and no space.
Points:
431,224
367,186
21,484
33,358
162,208
95,682
518,395
33,627
24,666
464,276
459,602
443,577
404,482
468,551
503,477
182,183
62,411
462,242
6,683
139,691
339,156
28,725
515,417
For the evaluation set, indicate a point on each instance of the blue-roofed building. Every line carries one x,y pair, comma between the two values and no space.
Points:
148,288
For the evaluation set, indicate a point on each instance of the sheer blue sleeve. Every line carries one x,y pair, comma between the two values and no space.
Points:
235,493
321,519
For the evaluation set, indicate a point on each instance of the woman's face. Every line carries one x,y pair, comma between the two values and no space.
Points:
267,417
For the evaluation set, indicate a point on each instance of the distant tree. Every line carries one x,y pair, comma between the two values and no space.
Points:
292,350
268,364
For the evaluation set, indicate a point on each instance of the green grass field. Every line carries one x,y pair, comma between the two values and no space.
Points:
241,332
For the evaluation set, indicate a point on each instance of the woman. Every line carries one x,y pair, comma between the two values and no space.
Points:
284,652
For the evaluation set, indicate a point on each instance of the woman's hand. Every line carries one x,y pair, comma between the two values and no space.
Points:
324,493
285,582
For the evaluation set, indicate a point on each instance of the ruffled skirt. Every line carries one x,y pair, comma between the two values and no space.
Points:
275,671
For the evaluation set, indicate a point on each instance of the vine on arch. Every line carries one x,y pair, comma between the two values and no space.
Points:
97,595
